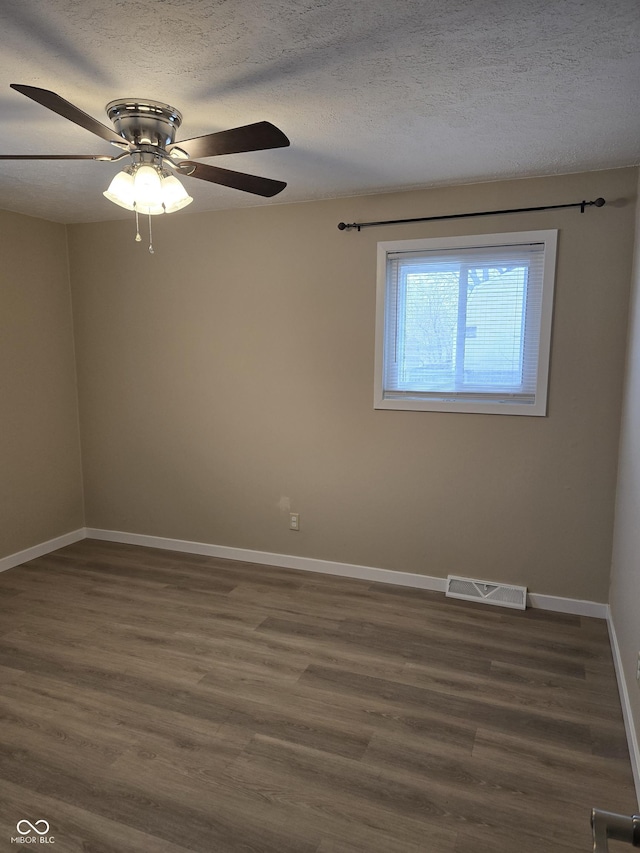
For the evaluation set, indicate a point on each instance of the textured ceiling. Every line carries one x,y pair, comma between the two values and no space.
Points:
375,95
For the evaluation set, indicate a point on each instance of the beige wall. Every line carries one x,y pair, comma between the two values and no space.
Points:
40,475
231,375
625,573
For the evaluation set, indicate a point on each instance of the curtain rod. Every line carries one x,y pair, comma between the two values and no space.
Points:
343,226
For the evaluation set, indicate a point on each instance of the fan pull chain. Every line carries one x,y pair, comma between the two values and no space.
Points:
150,237
138,237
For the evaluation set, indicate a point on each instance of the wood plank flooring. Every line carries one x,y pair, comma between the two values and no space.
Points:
155,701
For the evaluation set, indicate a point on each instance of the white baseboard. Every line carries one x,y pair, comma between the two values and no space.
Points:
576,606
285,561
345,570
632,738
40,550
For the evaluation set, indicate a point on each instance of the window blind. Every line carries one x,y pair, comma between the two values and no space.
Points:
464,323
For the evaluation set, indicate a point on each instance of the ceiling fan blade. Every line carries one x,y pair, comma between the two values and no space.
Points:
251,137
57,157
236,180
66,110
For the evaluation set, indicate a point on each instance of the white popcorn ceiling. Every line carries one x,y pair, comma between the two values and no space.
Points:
375,95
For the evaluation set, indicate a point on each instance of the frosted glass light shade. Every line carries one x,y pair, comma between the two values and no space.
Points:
120,190
154,209
174,195
147,187
147,191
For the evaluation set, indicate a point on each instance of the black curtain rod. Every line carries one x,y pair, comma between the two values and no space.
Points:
343,226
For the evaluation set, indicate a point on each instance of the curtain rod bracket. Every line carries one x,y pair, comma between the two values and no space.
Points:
348,226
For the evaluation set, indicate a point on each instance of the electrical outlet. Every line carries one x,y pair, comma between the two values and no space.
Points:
294,521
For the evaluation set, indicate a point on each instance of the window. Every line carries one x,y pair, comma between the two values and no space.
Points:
464,323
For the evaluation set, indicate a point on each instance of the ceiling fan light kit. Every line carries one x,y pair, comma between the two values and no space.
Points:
148,190
145,131
147,186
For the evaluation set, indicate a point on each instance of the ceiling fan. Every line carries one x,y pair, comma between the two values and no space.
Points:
145,133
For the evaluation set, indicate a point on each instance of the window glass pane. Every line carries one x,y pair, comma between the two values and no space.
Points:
450,339
429,335
494,336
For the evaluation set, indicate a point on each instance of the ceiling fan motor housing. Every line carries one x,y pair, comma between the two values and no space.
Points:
143,122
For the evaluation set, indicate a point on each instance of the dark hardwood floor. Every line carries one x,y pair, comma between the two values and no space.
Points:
155,701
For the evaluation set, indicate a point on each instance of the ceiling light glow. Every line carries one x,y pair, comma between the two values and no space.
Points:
147,190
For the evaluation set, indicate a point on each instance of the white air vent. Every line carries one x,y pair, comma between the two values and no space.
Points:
490,593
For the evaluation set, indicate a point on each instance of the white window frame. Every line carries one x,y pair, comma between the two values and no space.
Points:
450,403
